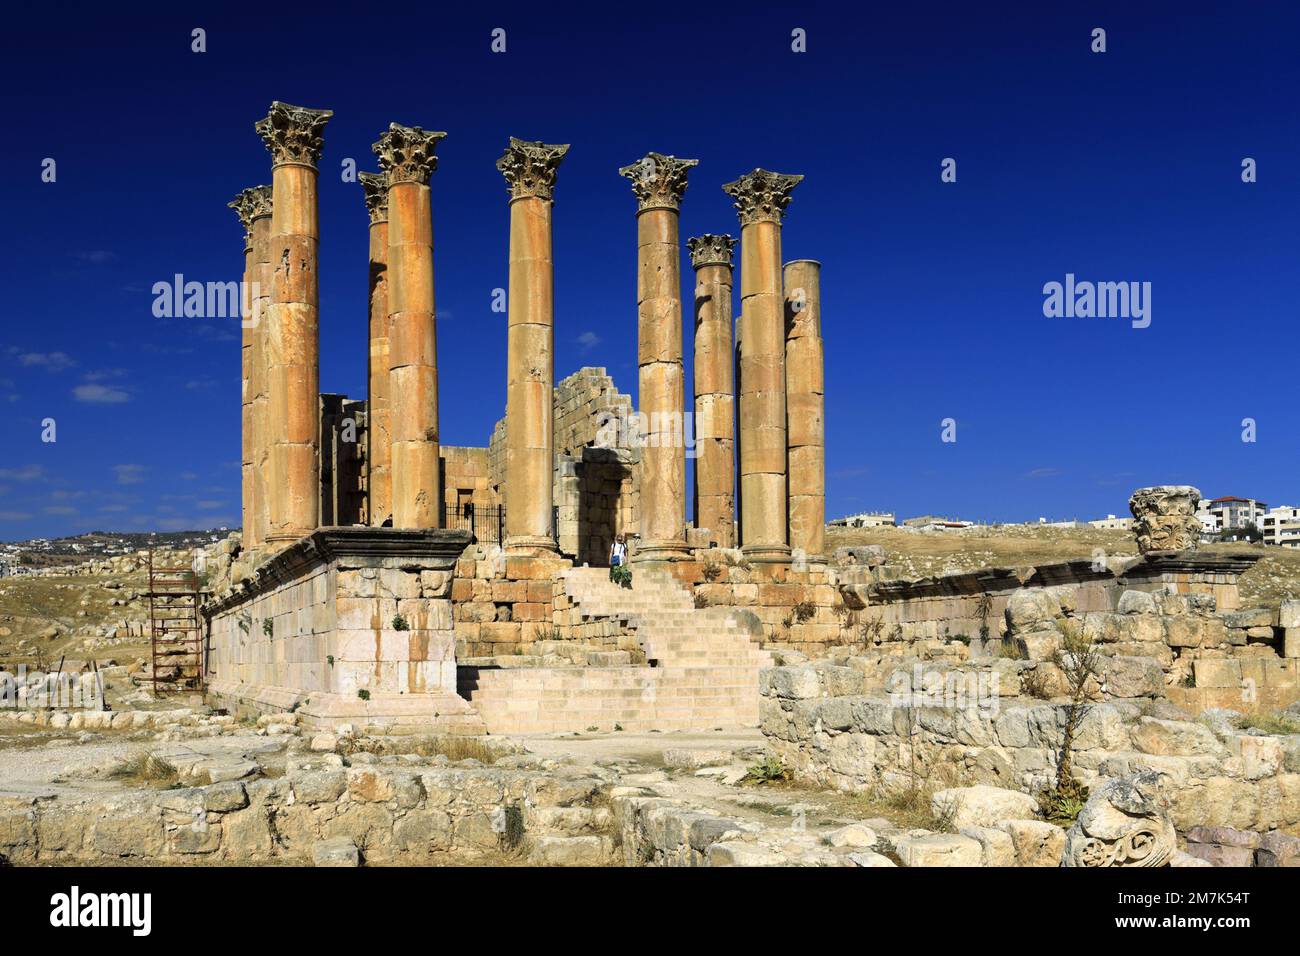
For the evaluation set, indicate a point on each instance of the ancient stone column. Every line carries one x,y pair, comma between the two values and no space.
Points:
760,199
805,403
379,454
253,207
715,400
406,154
659,182
529,169
293,135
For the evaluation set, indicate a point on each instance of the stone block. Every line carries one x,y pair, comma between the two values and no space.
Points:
938,849
1036,843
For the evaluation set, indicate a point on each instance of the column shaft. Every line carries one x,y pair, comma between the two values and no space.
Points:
258,528
379,434
762,395
248,510
413,359
253,207
661,385
715,463
293,362
805,408
530,377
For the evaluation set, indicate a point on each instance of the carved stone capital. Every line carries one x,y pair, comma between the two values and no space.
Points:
761,196
1125,822
1164,518
711,250
529,168
252,203
658,180
293,134
406,153
375,188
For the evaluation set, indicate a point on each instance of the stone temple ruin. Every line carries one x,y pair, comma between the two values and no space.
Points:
390,584
389,580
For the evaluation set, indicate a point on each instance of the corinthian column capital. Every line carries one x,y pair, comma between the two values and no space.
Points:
529,168
375,188
761,196
252,203
406,153
711,250
293,134
658,181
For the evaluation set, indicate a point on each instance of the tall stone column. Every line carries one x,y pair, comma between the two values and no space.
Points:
379,454
293,135
253,206
760,199
805,399
659,182
529,170
715,401
406,154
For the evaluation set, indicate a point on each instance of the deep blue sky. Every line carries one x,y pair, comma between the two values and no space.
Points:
1120,166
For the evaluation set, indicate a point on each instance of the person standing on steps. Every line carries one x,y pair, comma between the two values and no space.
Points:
617,555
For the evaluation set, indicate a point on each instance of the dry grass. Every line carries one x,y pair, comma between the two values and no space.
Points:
452,747
145,769
1274,722
29,605
909,806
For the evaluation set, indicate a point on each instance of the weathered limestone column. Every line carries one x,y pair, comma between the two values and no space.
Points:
805,401
293,135
406,154
760,198
659,182
379,454
715,399
529,170
253,206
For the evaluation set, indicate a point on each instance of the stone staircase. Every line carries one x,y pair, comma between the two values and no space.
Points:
702,670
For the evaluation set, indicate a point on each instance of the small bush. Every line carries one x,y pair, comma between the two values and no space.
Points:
701,601
805,611
1063,806
1034,683
268,627
621,575
711,571
1011,649
399,623
768,770
363,694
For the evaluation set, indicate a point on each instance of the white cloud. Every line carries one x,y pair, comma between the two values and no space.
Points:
99,394
129,474
50,361
588,341
25,473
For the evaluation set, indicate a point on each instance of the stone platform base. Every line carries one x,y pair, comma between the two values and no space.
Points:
345,626
423,714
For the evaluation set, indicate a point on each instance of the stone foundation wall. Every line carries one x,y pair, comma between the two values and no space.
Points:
349,623
502,604
376,814
824,725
